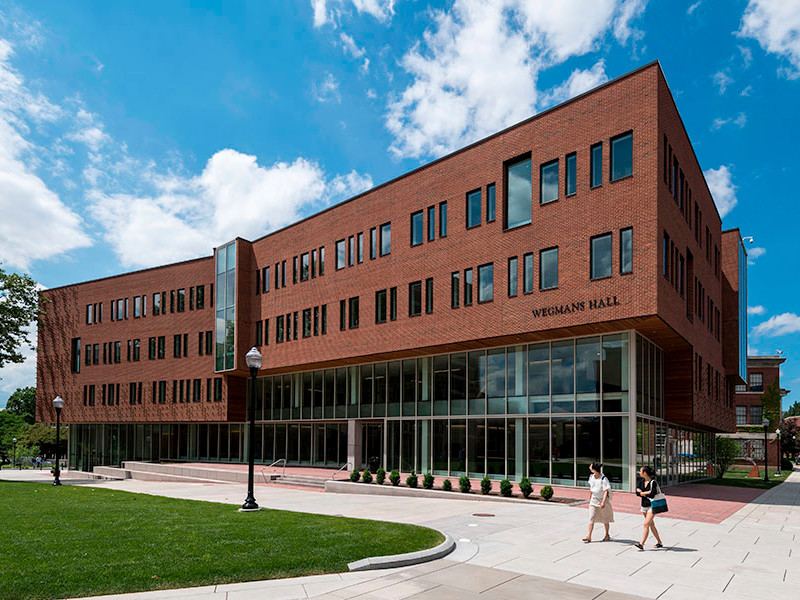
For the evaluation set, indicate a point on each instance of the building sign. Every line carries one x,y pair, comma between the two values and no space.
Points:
579,306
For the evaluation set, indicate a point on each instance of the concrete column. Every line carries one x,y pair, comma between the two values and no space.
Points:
354,443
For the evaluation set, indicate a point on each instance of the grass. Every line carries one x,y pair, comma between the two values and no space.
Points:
737,477
60,542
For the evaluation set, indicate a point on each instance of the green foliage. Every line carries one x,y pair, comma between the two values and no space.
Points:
486,485
546,492
355,476
19,307
790,438
786,464
427,481
793,411
727,451
771,401
412,480
380,476
394,478
447,486
505,488
23,403
367,476
525,487
464,484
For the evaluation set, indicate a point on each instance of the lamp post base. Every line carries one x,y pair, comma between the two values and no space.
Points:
256,509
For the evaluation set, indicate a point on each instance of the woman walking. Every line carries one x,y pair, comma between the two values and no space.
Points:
600,510
647,492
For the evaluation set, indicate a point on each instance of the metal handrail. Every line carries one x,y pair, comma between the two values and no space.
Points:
283,473
337,471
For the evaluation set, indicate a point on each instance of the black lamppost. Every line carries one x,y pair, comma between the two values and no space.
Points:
14,453
58,404
765,425
778,438
253,360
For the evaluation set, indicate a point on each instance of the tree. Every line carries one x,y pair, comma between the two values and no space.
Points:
790,438
727,451
794,410
23,403
19,307
771,401
11,426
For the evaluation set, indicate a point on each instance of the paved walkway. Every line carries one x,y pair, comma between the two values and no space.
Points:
534,550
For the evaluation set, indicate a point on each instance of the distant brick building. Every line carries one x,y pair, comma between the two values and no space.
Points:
557,293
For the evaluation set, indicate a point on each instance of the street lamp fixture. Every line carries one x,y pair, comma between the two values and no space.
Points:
14,453
253,360
58,404
765,425
778,437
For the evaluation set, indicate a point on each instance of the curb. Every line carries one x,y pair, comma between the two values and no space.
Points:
403,560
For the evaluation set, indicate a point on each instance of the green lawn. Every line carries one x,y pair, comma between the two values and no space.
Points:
737,477
60,542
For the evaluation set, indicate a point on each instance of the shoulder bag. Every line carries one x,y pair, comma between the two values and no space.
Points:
659,502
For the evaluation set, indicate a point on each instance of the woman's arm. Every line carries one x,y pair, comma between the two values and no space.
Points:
604,500
651,492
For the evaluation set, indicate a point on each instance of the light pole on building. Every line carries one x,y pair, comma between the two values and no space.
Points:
253,360
765,425
58,404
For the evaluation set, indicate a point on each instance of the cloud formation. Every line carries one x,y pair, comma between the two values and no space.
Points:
756,310
740,121
723,190
328,11
754,253
778,325
775,25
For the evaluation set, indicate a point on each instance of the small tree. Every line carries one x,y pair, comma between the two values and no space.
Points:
506,488
771,404
546,492
23,403
412,480
394,477
427,481
486,485
447,486
793,411
525,487
464,484
20,306
380,476
727,451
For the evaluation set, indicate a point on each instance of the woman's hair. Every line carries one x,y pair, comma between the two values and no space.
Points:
649,471
596,466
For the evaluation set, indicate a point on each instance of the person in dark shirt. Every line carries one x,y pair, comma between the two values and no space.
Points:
647,490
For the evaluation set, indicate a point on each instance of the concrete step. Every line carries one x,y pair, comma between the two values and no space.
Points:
186,473
308,482
123,473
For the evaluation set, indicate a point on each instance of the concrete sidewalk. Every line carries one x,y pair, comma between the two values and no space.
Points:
534,550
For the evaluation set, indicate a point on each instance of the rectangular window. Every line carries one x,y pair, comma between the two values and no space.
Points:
512,276
304,267
89,314
156,304
756,382
294,269
571,180
209,343
127,300
393,304
517,206
181,300
306,322
113,309
596,167
527,273
486,283
137,307
467,287
162,345
324,319
176,346
88,353
681,274
626,250
151,348
380,306
351,251
386,239
264,285
360,247
259,332
353,313
416,228
455,289
622,157
121,312
665,251
76,355
283,273
741,415
431,223
548,182
289,327
548,268
294,325
443,219
117,352
756,415
316,320
200,343
313,263
342,315
414,298
429,295
341,254
321,261
136,350
191,294
277,276
279,329
600,256
473,209
373,243
490,203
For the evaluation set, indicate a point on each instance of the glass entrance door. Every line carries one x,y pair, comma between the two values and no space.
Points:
371,444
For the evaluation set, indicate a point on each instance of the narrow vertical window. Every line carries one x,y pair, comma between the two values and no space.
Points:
527,273
324,319
306,322
279,329
416,228
455,289
473,209
341,256
313,263
201,294
548,182
626,250
294,269
571,179
517,209
431,223
353,310
386,239
75,361
443,219
622,159
665,255
258,282
467,287
596,166
548,269
277,276
351,250
360,247
600,256
512,276
259,332
486,283
342,315
283,273
429,295
316,320
393,304
373,243
266,332
414,298
380,306
490,203
321,261
304,267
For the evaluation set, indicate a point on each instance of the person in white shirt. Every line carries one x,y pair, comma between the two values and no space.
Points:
600,510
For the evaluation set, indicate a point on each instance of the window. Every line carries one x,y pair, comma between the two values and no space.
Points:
151,348
324,319
162,344
137,307
117,352
414,298
393,304
486,283
626,250
277,276
527,273
512,276
416,228
341,256
304,267
548,182
596,167
351,251
279,329
741,415
316,320
373,243
665,255
473,209
76,355
455,289
353,313
681,274
429,295
756,382
181,300
571,179
264,286
490,203
259,333
89,314
431,223
600,251
136,350
443,219
467,287
306,322
360,246
294,269
548,269
321,261
380,306
156,304
121,309
517,209
756,415
176,346
283,273
740,388
294,325
313,263
209,343
386,239
622,157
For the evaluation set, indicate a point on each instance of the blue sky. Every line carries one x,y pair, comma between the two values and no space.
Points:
141,133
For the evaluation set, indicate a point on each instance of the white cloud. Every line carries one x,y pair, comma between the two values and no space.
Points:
477,67
382,10
371,94
350,47
747,91
327,90
756,310
783,324
693,7
723,191
740,121
747,56
722,80
320,12
365,66
775,24
328,11
579,81
755,253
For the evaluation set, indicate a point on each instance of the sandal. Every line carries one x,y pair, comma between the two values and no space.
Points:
586,539
659,545
606,539
639,546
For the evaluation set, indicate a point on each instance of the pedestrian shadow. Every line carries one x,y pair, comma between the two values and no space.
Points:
629,542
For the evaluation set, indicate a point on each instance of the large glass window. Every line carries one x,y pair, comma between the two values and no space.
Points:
518,195
485,283
587,442
626,250
458,383
416,228
563,376
476,382
596,167
458,447
539,378
341,254
496,380
563,450
386,239
572,169
587,374
225,307
539,450
414,298
476,447
600,250
548,182
548,269
621,156
615,372
473,209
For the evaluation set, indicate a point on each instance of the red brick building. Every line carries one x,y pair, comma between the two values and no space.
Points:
556,293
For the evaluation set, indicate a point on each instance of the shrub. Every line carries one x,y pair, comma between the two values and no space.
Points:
546,492
427,481
505,488
380,476
486,485
786,464
447,486
727,451
367,476
525,487
394,477
464,484
412,480
355,476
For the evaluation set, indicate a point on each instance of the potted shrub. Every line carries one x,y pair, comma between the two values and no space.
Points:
355,476
486,485
427,481
412,480
464,484
380,476
546,492
367,476
525,487
394,478
505,488
447,486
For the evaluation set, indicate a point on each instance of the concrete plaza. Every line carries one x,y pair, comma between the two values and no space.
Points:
530,550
